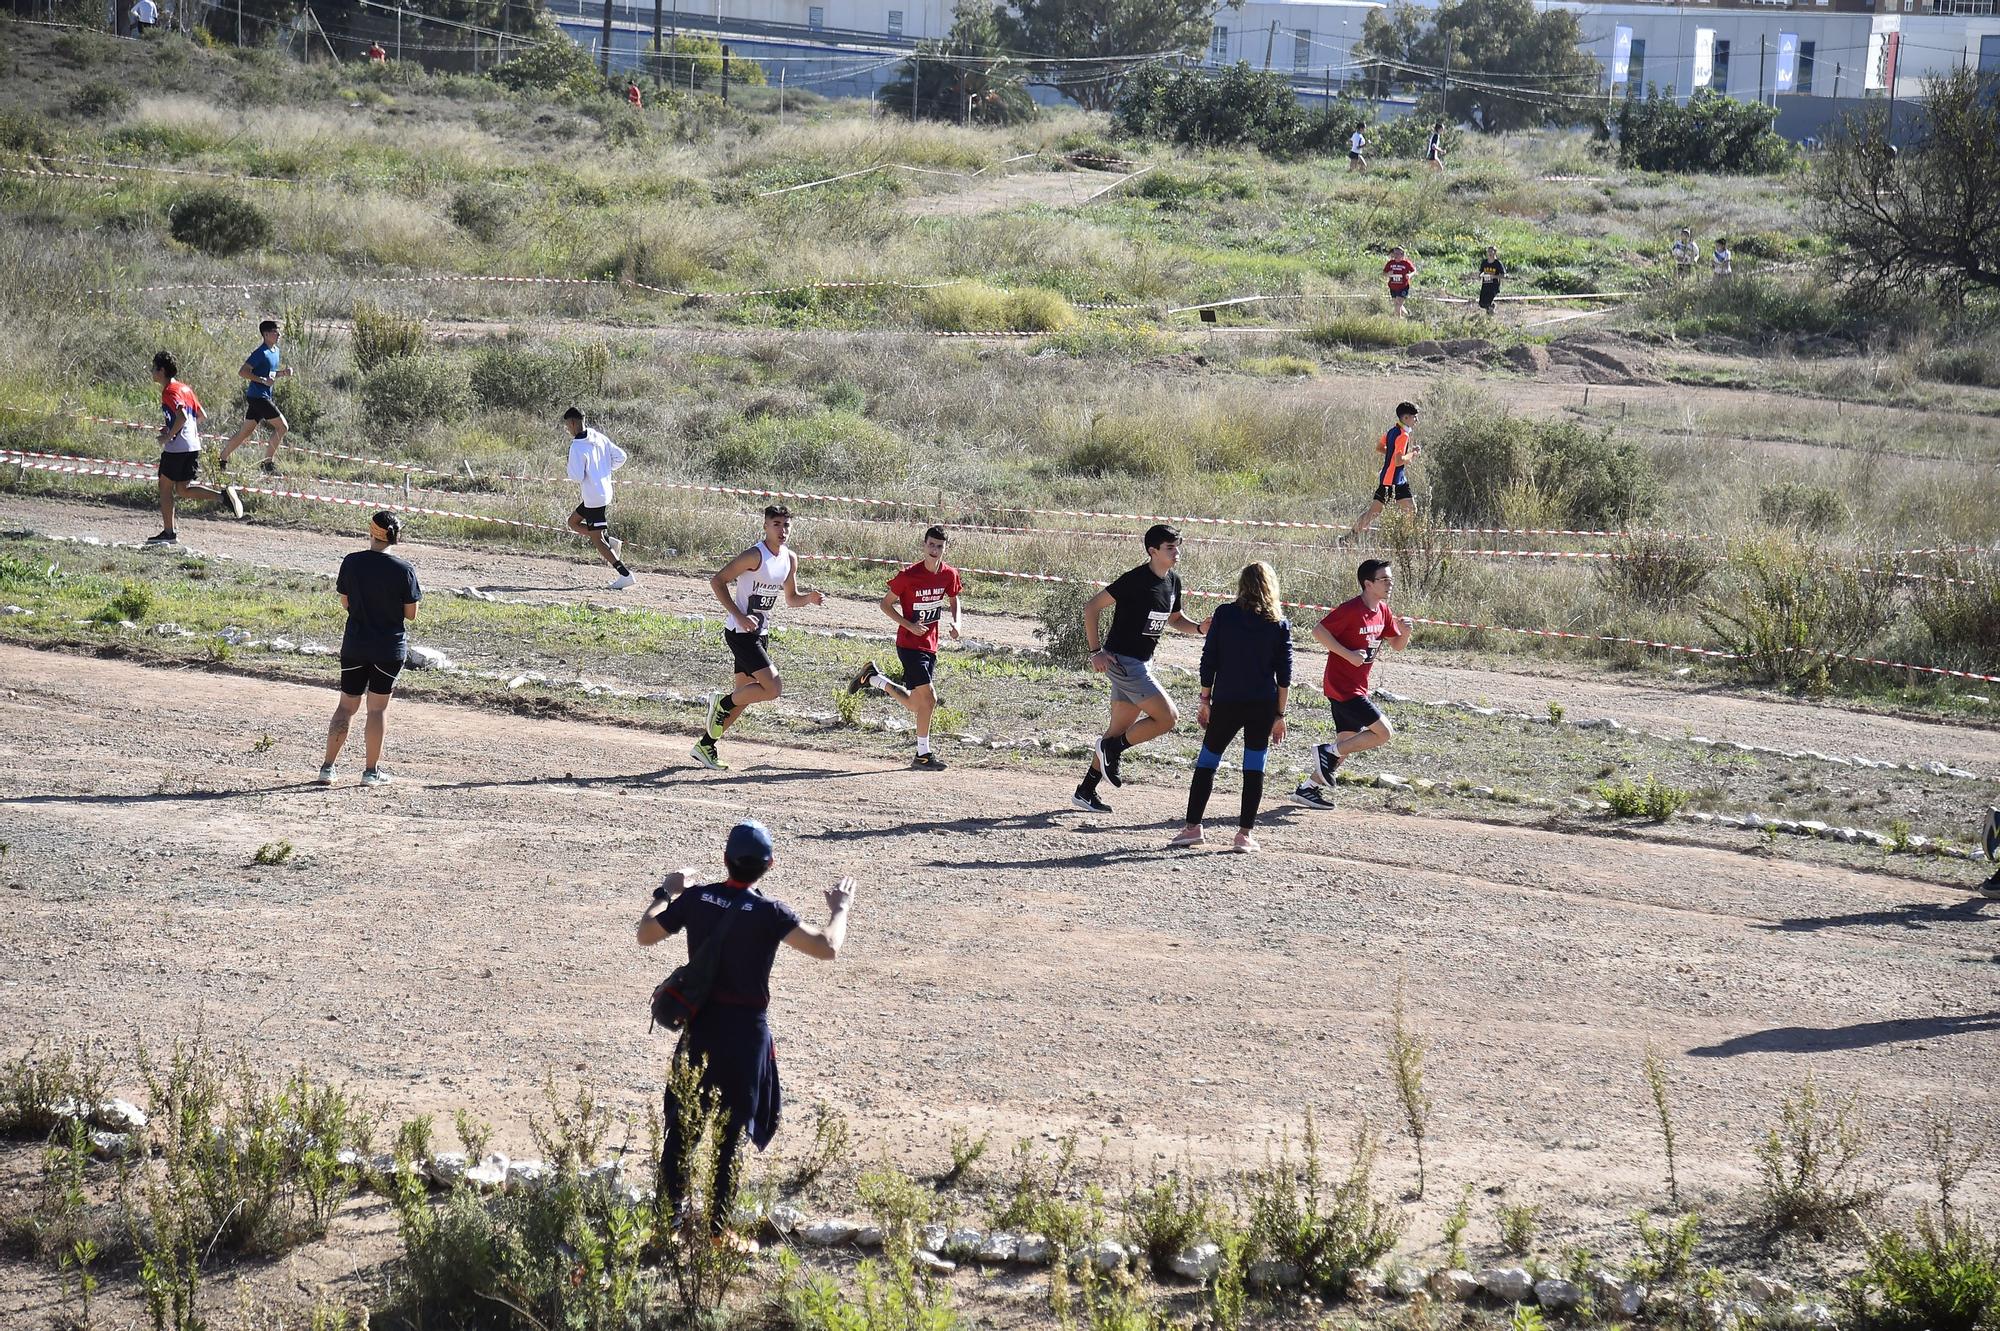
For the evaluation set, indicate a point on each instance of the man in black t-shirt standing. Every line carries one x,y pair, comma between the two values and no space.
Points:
1148,603
380,594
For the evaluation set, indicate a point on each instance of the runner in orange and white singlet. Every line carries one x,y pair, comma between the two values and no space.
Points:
1392,479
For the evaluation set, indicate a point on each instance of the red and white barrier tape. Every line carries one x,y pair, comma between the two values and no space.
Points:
128,470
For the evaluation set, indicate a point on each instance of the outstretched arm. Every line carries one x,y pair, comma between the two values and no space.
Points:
824,941
793,596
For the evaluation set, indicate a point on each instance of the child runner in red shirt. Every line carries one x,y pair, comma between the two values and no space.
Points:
915,602
1352,633
1399,270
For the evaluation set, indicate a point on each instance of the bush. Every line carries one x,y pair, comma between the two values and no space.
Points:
414,391
837,447
1806,507
1658,570
482,212
134,601
1361,329
1324,1229
1808,1162
1752,307
41,1089
218,223
27,134
1794,610
1710,133
383,335
974,307
100,101
550,63
1061,630
1169,1218
520,379
304,407
1653,800
1945,1277
1959,606
1593,479
1239,106
701,57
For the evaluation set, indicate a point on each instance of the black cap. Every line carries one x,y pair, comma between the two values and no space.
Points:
386,527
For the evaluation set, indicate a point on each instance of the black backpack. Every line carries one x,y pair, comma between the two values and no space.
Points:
679,999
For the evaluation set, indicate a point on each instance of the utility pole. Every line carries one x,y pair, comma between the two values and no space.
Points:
604,43
916,82
399,27
1270,40
725,73
658,14
1760,70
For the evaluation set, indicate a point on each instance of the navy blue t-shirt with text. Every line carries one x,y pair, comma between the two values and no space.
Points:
744,973
377,586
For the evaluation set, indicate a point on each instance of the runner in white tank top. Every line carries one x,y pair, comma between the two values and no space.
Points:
749,588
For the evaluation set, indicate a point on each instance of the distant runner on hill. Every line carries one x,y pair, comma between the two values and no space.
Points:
1353,633
915,603
1399,270
1357,145
749,588
1392,481
261,371
592,459
1491,270
180,449
1434,150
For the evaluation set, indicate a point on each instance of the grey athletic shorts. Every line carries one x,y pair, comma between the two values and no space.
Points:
1132,680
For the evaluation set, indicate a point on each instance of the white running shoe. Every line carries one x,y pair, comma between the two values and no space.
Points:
621,582
615,544
374,777
235,499
326,775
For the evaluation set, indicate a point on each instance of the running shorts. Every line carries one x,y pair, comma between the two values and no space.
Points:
919,666
593,518
179,468
1353,715
751,651
1132,680
1386,494
261,409
359,676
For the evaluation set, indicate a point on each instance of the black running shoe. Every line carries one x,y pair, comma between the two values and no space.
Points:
927,762
1087,801
268,467
164,538
1329,762
1990,889
1107,761
1308,793
860,681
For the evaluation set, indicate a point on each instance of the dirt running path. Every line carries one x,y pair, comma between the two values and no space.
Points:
1745,717
449,939
993,194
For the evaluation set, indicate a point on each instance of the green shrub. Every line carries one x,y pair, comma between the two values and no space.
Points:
1184,104
414,391
1959,606
482,212
1170,1217
1945,1277
1326,1229
1608,481
304,406
701,57
1976,363
550,62
100,101
974,307
1357,328
1710,132
383,335
1656,569
837,447
1478,457
1793,609
1800,504
134,601
40,1089
218,223
1752,307
1669,1250
521,379
1808,1163
27,134
1061,623
1654,800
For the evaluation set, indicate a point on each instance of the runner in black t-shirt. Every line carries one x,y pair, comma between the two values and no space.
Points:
1491,270
729,1037
1148,601
380,594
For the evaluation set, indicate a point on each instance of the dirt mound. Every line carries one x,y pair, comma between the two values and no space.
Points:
1597,358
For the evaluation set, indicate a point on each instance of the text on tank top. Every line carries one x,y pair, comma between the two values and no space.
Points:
757,591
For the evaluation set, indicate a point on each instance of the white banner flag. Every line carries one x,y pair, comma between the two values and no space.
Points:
1704,56
1621,54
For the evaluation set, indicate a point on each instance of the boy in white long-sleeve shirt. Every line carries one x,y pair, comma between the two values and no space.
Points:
592,459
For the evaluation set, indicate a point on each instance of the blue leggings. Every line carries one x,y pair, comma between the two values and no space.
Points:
1254,720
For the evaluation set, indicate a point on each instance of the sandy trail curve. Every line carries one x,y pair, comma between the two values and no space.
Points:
448,939
1650,705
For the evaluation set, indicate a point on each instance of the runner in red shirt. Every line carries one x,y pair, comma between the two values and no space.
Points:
1399,270
916,601
1392,478
633,95
1353,632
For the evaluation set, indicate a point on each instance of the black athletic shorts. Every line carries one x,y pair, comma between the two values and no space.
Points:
593,517
1487,291
1351,716
919,666
261,409
751,650
179,467
1388,493
358,676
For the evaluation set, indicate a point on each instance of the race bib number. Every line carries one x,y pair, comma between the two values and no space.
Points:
1156,622
926,612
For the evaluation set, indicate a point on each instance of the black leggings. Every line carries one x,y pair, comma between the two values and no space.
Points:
1225,719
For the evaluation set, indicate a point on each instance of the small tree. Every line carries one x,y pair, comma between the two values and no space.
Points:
695,61
1711,133
551,63
1927,217
1497,42
1095,39
967,76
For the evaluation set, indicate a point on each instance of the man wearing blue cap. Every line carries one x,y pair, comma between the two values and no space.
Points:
729,1037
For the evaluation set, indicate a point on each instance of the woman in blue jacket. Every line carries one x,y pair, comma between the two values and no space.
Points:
1246,681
